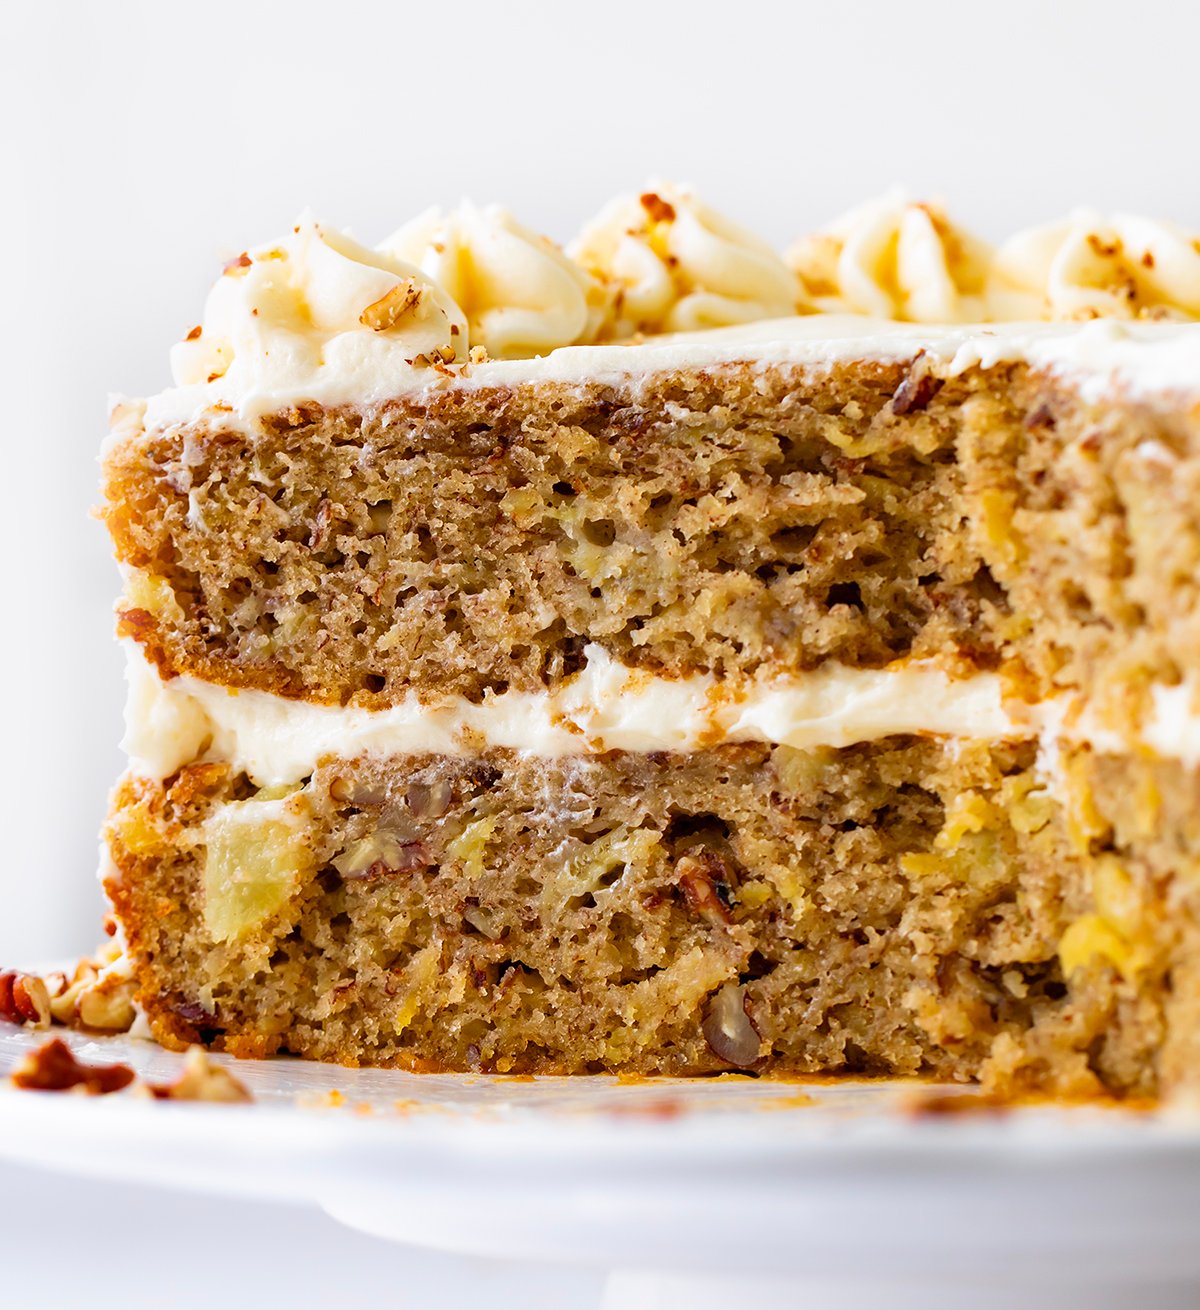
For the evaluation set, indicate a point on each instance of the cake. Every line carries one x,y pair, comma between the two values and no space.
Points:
668,656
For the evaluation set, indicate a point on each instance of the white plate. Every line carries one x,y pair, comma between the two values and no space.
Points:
725,1178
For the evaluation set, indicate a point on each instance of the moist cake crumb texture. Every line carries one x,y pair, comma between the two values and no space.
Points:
438,485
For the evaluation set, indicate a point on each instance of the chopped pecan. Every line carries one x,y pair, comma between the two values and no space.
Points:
917,389
705,880
24,999
728,1030
99,995
52,1067
429,800
381,854
107,1006
190,1011
388,869
136,623
658,209
320,530
1041,416
201,1080
390,308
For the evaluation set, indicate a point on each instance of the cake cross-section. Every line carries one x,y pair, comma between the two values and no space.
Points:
665,656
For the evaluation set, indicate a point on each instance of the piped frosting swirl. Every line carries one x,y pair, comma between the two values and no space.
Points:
316,302
521,295
675,265
1094,266
894,258
317,316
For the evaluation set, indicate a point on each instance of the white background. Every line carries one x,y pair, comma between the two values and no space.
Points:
144,142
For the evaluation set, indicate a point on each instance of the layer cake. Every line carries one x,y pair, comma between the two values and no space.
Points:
665,656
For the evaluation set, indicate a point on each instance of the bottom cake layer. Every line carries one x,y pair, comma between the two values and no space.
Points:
905,906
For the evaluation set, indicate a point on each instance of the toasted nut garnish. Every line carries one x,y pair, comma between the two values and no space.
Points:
109,1008
24,999
65,998
93,998
389,309
201,1080
54,1068
659,210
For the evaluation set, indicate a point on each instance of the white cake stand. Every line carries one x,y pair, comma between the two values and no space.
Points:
702,1193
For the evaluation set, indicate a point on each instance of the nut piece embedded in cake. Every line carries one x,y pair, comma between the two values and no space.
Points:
727,1028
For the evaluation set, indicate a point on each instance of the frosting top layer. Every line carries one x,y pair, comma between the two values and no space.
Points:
661,280
521,295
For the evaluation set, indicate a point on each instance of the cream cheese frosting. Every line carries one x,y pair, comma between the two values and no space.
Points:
675,265
1092,265
521,295
1173,730
661,281
895,258
313,306
1135,358
609,706
606,706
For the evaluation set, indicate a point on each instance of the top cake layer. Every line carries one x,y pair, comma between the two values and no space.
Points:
348,499
317,317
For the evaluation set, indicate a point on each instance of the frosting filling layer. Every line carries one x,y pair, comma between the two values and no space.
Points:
608,706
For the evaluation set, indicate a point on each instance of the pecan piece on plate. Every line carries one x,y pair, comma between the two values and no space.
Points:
24,999
200,1080
52,1067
